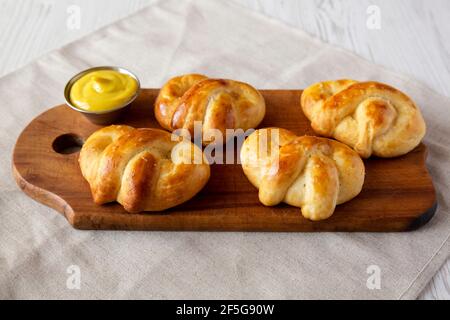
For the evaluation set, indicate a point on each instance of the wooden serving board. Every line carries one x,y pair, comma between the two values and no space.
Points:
398,194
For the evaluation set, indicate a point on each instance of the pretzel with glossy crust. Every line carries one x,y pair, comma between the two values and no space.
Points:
219,104
312,173
136,168
371,117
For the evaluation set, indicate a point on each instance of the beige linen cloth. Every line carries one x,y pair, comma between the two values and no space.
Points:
219,39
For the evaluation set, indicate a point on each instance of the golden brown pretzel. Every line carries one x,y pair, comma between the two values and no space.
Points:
136,168
371,117
312,173
219,104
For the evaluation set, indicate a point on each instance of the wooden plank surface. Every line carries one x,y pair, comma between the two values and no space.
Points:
49,174
31,28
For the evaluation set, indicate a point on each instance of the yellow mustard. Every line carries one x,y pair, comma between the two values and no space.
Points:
102,90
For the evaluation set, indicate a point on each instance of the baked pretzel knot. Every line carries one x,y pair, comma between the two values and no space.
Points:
371,117
217,103
142,169
312,173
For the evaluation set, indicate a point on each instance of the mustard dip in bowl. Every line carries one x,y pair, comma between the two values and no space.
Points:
102,94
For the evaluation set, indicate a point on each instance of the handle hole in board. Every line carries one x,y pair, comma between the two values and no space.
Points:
67,143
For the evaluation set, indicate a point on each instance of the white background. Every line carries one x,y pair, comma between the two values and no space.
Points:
413,39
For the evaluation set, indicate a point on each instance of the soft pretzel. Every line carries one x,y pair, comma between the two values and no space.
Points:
371,117
219,104
142,169
312,173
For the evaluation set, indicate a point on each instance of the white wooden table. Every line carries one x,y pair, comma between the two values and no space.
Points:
410,36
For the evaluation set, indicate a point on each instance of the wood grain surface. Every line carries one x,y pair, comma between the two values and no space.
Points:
397,195
31,28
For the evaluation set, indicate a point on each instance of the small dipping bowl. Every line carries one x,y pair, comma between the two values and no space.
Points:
107,116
